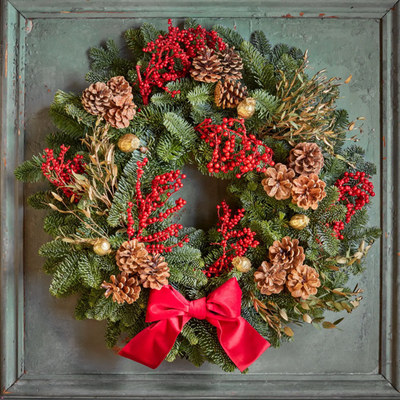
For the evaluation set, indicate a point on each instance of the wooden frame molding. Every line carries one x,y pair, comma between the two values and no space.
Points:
14,383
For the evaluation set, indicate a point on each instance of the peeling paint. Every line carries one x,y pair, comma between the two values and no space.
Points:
28,26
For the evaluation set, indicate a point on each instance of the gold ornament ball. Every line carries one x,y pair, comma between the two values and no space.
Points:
101,247
299,221
246,108
128,143
242,264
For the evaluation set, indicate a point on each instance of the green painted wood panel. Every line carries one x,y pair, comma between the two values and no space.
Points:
206,8
56,58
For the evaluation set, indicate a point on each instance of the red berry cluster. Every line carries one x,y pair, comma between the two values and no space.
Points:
234,148
59,172
355,190
243,239
177,44
167,184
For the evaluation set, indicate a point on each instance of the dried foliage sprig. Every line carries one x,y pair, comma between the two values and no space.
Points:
307,108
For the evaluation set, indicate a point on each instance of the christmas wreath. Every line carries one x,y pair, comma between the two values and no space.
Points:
239,110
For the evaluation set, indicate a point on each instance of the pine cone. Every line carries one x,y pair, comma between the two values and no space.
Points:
303,281
123,288
270,278
278,182
306,159
96,99
307,191
287,253
121,90
206,66
155,273
119,116
131,256
231,63
229,93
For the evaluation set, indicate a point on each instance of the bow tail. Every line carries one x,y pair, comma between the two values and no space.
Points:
241,342
150,346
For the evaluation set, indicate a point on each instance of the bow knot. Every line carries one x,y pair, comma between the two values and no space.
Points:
198,308
171,311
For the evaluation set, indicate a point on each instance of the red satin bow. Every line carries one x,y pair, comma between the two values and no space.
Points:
221,308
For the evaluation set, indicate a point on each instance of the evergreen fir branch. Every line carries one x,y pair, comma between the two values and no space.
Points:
189,333
328,241
261,43
211,347
113,331
124,193
39,200
96,76
266,104
89,271
50,266
30,170
257,67
68,115
288,65
82,306
229,36
171,356
135,41
105,308
55,140
200,94
106,61
192,353
180,129
149,32
278,51
170,149
131,313
55,249
190,23
66,276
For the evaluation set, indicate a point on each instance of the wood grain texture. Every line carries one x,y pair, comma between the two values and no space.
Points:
391,193
194,386
11,219
185,8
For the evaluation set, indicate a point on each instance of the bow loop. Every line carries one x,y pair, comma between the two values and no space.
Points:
241,342
198,308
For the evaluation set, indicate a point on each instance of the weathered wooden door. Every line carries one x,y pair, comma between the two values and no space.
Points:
45,351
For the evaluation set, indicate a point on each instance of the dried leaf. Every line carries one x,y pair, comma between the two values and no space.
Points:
283,314
56,196
304,305
333,267
288,331
307,318
328,325
348,79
